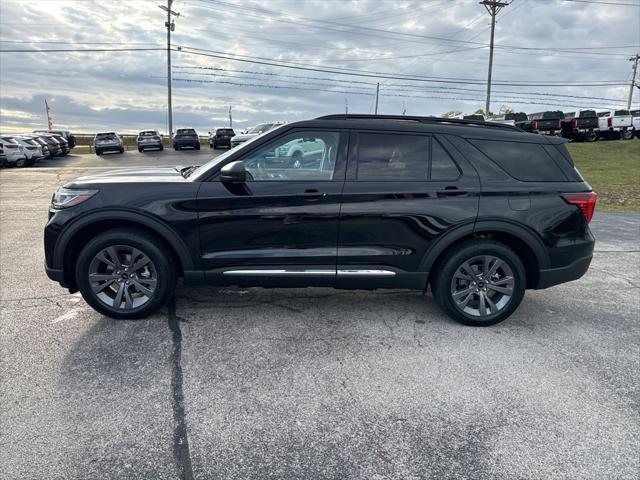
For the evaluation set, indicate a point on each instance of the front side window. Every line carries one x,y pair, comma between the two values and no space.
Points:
384,156
297,156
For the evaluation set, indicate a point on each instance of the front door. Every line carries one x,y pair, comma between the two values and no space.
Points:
402,191
280,228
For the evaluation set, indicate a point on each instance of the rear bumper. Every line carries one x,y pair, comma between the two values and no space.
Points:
555,276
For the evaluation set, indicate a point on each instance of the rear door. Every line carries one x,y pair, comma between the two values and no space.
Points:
402,191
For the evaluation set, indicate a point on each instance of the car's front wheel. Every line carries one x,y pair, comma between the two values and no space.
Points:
479,283
627,134
125,273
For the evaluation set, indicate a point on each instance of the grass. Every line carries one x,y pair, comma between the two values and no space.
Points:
612,168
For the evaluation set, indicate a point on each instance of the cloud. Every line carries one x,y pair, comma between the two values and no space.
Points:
126,91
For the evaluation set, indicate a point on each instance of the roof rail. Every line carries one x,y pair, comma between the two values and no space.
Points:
350,116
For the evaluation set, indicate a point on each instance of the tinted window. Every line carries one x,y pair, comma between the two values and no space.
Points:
185,131
384,157
442,165
621,112
298,156
528,162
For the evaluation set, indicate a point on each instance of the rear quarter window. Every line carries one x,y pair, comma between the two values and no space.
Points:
527,162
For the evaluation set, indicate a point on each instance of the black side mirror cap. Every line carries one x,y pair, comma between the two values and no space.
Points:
234,172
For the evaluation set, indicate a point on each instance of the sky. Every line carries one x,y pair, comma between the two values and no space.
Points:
289,60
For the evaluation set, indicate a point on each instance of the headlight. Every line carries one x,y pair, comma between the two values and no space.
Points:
68,197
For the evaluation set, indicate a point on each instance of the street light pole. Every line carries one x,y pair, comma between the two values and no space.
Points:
493,7
171,26
633,78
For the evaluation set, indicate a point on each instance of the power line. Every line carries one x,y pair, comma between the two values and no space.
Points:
604,3
284,87
358,83
371,74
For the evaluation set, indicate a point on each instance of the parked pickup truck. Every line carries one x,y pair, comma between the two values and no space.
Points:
509,118
580,126
547,123
615,124
635,120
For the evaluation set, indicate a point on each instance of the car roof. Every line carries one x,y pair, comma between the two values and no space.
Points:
444,126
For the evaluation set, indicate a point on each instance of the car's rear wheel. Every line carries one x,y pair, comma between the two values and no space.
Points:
198,147
627,135
22,162
125,273
591,137
479,283
98,152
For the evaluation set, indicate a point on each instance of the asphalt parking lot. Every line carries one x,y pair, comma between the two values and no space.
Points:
311,383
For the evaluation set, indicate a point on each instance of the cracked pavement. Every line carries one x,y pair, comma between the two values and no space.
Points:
312,383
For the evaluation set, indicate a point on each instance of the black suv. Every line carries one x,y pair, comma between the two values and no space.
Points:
186,138
480,211
221,138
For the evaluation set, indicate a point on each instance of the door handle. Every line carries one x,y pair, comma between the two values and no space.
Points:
311,194
451,191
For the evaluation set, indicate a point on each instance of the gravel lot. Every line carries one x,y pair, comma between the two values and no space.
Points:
311,383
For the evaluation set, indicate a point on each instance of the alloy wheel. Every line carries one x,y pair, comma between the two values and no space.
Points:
482,286
122,277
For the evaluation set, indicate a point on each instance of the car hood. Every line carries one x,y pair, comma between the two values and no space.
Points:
244,137
130,175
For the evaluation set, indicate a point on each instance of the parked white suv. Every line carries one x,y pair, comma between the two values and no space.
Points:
13,151
615,124
31,149
108,142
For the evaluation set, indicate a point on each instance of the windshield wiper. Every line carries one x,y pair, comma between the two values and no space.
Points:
186,171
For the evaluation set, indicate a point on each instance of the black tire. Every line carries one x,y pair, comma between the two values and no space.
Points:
627,135
140,149
442,280
198,147
161,261
121,150
161,148
98,152
215,146
591,137
23,162
176,148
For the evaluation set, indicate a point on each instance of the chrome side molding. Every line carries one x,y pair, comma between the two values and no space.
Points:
320,272
362,273
265,273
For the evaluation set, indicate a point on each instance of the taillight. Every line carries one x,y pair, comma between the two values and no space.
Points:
574,123
610,122
584,201
11,145
534,125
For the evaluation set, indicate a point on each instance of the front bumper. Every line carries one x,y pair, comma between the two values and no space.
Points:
56,275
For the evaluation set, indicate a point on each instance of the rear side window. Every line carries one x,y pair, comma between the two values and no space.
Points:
527,162
383,157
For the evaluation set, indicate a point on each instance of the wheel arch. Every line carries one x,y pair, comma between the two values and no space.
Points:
75,236
526,244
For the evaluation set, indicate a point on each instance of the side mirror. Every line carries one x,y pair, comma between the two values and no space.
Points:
233,172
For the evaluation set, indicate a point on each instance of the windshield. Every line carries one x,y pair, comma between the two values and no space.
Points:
202,171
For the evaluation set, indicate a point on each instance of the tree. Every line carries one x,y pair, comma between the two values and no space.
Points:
451,114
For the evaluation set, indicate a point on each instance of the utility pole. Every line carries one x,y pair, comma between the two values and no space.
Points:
230,118
633,78
171,26
377,94
493,7
346,106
